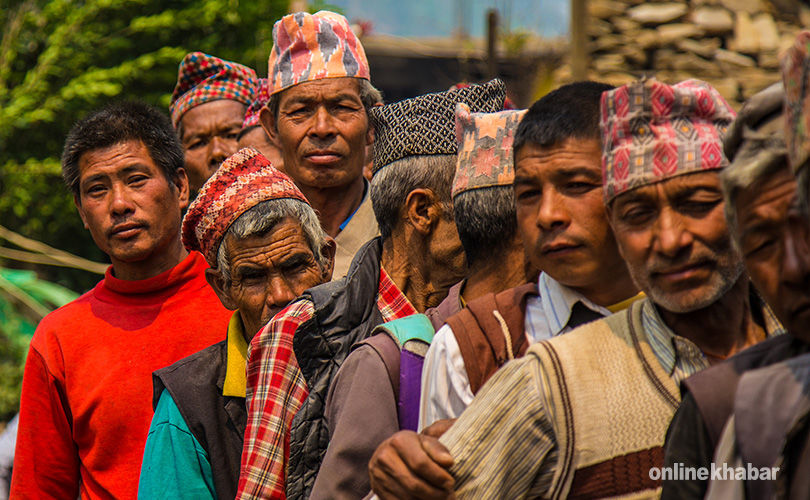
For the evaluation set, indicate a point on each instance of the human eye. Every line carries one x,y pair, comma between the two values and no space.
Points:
579,187
699,205
95,189
635,214
197,144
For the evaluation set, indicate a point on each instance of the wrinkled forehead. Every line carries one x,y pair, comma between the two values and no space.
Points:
672,188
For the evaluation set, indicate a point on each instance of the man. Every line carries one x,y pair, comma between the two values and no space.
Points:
253,135
317,115
763,213
264,246
562,220
408,269
208,106
85,411
592,406
370,398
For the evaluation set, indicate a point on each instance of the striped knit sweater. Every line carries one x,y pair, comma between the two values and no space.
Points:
613,405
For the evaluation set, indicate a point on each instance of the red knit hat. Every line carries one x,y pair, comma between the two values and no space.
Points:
262,96
244,180
202,78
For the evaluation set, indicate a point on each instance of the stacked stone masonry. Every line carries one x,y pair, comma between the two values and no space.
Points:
732,44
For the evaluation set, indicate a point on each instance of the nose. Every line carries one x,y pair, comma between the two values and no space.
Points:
219,149
796,258
121,202
552,213
671,234
324,124
281,292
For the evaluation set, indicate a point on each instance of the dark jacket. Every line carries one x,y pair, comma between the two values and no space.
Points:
217,422
346,312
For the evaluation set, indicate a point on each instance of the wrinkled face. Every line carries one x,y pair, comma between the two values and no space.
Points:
773,240
209,136
561,213
130,208
269,271
322,130
675,240
257,138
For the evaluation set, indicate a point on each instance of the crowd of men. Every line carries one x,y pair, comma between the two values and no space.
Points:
315,294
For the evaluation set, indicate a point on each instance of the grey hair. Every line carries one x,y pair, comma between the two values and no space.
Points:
262,218
757,159
486,220
391,185
370,96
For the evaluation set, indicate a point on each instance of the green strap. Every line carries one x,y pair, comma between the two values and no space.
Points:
414,327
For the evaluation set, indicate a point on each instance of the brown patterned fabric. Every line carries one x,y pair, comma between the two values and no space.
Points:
617,476
425,125
485,156
796,75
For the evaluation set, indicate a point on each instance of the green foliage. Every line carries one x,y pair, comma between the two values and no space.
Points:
60,59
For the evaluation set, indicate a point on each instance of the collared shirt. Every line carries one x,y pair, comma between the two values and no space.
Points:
276,389
355,232
445,386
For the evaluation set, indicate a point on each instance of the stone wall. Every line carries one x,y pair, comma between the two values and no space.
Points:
732,44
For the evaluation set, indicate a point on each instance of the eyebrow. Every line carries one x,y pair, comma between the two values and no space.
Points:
310,99
135,167
590,173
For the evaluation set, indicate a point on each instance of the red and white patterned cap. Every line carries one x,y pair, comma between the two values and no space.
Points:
262,96
202,78
652,131
244,180
485,157
796,75
312,47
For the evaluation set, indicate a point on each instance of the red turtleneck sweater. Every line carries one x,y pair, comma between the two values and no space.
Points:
87,389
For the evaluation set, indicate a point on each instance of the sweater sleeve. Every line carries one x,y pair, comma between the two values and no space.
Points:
361,412
46,463
174,465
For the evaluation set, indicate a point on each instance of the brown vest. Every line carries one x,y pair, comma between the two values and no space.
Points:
482,330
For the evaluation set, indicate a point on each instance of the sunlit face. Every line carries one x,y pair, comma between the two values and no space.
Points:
773,240
131,209
209,136
322,130
675,240
561,213
269,271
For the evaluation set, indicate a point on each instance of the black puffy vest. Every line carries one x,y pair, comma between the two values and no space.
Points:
216,421
345,313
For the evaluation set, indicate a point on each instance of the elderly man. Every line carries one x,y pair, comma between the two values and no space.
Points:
410,268
317,114
762,208
85,408
558,146
208,106
253,135
264,246
371,398
593,405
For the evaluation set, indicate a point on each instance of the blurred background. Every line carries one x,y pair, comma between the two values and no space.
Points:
60,59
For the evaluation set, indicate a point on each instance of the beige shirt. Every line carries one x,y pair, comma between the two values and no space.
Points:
361,228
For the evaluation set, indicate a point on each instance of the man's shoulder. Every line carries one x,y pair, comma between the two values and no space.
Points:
66,318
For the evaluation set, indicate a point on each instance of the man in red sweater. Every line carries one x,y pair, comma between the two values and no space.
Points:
87,388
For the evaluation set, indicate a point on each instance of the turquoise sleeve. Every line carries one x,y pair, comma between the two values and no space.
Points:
175,466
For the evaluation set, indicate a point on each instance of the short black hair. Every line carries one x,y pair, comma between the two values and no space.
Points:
121,122
486,220
569,112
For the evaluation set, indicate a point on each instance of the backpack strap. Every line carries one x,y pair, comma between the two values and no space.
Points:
411,336
491,331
